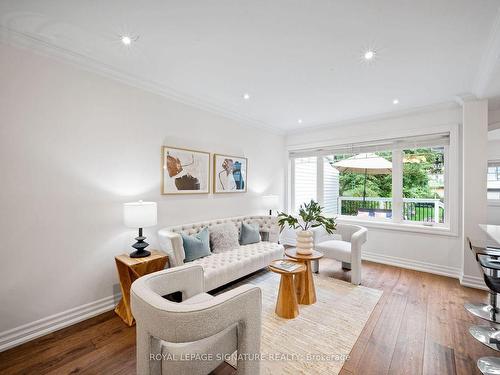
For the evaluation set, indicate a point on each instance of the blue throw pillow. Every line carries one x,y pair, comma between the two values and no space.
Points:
196,246
249,234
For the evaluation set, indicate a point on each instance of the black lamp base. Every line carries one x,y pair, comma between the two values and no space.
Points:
140,254
140,247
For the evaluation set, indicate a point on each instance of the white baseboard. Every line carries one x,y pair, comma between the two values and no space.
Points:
19,335
416,265
473,282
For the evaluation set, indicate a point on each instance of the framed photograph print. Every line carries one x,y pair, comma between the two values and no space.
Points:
230,174
185,171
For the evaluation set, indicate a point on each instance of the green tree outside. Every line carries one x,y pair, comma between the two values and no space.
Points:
422,178
419,165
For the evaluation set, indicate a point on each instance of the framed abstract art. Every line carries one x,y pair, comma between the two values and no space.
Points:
185,171
230,174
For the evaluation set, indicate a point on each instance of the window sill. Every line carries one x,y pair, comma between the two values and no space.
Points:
402,227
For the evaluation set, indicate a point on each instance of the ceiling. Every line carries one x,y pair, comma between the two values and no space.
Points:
297,59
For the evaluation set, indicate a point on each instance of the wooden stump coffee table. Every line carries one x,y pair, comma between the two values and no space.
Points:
287,304
305,283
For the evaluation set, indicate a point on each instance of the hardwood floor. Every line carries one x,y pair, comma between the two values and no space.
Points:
418,327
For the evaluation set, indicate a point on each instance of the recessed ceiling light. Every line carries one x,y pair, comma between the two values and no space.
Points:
395,101
299,121
369,55
246,96
126,40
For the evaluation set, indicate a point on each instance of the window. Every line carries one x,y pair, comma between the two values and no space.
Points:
397,180
305,181
423,185
365,184
493,183
331,187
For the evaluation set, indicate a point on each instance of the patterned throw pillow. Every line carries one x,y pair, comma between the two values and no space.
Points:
223,237
196,246
249,234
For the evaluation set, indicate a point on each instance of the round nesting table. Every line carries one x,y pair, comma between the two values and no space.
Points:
287,304
305,284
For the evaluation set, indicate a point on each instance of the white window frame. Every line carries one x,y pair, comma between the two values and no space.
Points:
451,183
492,202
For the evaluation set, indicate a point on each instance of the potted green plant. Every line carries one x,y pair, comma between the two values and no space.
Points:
310,216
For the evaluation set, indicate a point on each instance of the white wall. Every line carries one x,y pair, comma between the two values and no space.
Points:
432,252
73,147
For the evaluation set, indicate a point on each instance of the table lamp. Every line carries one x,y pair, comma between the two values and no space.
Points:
271,202
140,215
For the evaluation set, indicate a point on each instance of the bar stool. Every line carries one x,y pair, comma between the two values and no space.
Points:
488,259
488,335
482,310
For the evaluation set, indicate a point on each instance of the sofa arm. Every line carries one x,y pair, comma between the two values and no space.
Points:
171,244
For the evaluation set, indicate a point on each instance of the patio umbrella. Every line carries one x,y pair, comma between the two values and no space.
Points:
368,163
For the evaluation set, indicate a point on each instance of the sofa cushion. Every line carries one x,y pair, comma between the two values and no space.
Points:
223,237
340,250
249,234
196,246
222,268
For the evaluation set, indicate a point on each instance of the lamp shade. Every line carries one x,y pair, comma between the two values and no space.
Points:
140,214
271,202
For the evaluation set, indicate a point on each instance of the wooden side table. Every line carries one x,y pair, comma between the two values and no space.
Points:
287,305
129,270
305,282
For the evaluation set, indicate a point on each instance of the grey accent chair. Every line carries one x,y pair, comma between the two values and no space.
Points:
202,327
344,245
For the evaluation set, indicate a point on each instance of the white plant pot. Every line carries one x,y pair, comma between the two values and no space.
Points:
305,242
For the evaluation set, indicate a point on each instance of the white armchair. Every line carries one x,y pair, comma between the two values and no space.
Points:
202,327
344,245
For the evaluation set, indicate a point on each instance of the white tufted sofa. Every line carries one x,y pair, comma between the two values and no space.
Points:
222,268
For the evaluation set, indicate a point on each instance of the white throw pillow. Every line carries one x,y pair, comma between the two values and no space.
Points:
223,237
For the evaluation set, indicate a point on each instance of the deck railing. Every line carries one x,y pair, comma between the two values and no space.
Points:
414,209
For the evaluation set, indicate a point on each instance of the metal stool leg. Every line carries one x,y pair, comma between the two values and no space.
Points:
489,336
488,312
489,365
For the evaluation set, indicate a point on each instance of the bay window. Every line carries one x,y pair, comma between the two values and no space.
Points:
398,180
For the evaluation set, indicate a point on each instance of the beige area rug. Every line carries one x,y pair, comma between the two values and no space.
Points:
320,339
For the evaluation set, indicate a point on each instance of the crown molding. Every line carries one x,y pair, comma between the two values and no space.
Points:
43,47
464,98
489,59
377,117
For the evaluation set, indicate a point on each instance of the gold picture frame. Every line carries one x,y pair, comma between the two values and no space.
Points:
184,171
235,179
